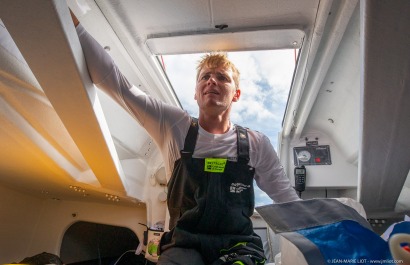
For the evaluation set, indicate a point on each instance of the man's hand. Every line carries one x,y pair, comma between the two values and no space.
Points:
74,18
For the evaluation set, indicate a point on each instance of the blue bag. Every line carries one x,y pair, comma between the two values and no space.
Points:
327,232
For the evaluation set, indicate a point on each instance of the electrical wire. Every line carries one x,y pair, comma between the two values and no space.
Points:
131,250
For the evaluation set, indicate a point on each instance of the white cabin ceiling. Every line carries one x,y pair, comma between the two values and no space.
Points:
146,19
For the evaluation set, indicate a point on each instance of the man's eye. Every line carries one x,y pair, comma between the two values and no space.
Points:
222,78
205,77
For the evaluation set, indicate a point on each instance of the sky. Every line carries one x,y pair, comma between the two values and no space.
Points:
265,80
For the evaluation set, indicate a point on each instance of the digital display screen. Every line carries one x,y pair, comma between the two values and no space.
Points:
300,171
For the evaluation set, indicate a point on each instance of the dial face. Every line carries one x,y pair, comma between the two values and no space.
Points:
304,156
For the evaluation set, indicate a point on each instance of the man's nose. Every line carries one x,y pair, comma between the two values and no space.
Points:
211,79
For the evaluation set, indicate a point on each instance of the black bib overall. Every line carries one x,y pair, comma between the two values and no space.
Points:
210,211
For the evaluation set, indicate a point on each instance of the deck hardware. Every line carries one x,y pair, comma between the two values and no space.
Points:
221,26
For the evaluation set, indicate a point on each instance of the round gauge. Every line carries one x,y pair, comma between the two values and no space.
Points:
304,156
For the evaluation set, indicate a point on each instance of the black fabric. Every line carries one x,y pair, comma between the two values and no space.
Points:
190,139
243,144
177,256
211,211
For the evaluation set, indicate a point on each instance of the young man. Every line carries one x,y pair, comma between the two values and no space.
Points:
212,162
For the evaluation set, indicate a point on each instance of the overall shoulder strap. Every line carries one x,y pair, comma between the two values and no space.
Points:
190,139
243,144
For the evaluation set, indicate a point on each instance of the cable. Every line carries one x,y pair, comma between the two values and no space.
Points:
131,250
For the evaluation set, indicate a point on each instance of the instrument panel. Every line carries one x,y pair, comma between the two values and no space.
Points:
312,155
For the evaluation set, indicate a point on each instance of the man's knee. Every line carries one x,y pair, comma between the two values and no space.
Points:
180,256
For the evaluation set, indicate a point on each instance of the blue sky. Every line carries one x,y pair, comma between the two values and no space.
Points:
265,81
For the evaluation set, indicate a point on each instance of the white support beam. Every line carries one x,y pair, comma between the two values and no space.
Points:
46,37
384,158
14,118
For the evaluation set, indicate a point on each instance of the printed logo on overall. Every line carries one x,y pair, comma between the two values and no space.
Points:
238,187
215,165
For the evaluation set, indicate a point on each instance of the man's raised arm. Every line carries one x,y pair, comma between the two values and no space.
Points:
154,115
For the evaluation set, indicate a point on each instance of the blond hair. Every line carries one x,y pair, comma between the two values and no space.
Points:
218,59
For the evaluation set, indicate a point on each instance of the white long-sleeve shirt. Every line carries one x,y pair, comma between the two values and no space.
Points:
168,125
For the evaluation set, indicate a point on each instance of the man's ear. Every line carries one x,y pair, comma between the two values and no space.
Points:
237,95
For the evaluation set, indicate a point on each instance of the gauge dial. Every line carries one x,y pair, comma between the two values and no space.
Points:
304,156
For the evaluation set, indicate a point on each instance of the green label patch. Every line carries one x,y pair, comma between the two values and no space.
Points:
215,165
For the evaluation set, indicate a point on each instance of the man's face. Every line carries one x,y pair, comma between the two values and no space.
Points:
215,90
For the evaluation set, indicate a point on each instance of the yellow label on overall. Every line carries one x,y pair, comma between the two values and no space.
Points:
215,165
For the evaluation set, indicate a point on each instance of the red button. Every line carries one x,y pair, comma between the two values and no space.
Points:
317,159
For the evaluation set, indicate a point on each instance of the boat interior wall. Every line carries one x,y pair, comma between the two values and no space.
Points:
326,104
340,15
344,174
31,225
337,98
337,102
333,121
